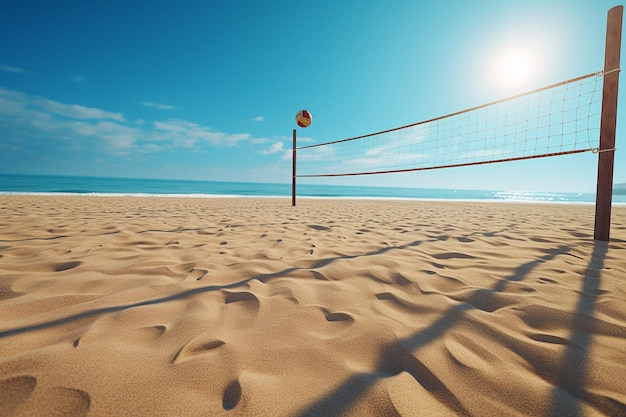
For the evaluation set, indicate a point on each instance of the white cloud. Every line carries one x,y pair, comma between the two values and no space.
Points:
67,126
20,101
11,100
77,79
86,129
394,146
120,138
159,106
258,119
7,68
257,141
182,131
390,159
485,154
274,148
303,139
75,111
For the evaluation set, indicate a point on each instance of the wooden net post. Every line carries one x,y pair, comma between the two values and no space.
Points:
606,153
293,171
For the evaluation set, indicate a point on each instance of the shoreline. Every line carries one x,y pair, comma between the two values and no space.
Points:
209,189
303,197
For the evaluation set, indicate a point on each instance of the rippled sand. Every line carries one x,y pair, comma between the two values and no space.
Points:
251,307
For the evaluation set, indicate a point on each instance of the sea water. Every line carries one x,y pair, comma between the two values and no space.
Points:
67,185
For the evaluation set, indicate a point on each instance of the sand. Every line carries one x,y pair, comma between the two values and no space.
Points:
250,307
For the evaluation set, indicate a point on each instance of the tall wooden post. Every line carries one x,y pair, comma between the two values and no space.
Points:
604,188
293,171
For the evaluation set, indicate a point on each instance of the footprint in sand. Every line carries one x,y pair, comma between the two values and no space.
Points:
18,395
540,240
198,274
318,227
549,338
197,346
241,309
319,276
337,317
232,395
401,279
74,402
14,392
6,290
155,331
66,266
451,255
397,303
247,299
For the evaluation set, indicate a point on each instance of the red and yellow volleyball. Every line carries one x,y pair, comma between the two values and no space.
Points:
304,118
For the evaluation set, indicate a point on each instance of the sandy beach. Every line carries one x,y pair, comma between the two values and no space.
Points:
137,306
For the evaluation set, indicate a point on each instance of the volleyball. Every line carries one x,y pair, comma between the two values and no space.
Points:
304,118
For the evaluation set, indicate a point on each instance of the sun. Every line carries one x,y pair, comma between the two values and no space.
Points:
514,68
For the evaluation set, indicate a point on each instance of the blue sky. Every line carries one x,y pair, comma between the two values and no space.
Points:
208,90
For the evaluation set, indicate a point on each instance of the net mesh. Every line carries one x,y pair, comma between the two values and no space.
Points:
559,119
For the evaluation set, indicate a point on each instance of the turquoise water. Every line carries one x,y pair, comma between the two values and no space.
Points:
38,184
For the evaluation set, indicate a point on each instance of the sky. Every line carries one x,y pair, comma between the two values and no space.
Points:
208,89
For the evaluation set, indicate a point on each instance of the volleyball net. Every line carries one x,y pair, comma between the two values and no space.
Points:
559,119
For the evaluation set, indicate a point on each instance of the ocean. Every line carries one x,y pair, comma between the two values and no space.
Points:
67,185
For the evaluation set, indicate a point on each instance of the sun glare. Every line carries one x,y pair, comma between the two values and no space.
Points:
514,68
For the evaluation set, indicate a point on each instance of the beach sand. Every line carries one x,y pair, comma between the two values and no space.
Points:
136,306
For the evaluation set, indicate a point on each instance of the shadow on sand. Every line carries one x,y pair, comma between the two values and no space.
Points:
569,382
401,356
